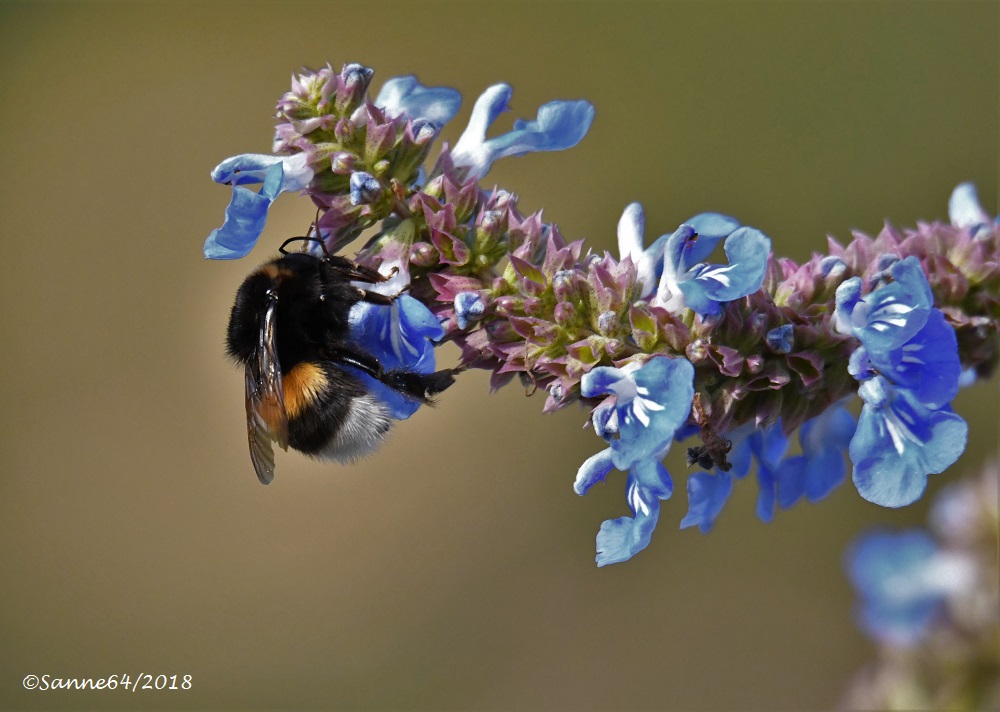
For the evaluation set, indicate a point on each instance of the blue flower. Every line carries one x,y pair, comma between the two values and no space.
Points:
406,96
909,368
686,282
707,493
711,227
903,580
651,403
820,467
247,210
559,125
399,335
899,442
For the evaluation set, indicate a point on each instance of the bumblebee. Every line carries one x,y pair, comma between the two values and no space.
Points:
289,329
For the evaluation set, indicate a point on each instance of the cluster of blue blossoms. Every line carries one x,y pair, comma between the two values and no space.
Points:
929,598
661,343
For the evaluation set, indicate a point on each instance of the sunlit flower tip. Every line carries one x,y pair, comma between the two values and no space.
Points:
469,306
820,468
621,539
247,211
707,493
964,210
559,125
365,188
899,442
405,96
781,339
646,261
687,283
903,580
832,267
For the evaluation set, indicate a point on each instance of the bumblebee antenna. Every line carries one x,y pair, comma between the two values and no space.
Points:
314,227
303,238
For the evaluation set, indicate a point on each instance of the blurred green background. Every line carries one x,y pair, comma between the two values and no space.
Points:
454,569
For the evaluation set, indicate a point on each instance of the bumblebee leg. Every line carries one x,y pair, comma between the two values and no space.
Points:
419,386
353,272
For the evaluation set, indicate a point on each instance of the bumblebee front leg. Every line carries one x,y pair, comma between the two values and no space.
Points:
353,272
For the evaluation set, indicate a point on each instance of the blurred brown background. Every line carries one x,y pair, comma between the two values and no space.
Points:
453,570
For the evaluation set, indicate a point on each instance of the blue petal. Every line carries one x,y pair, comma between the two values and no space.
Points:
893,315
601,380
647,423
741,455
559,125
604,420
647,261
824,441
711,229
247,210
399,335
899,443
653,477
707,494
244,221
768,446
964,209
594,469
708,285
257,167
847,297
621,539
405,95
928,363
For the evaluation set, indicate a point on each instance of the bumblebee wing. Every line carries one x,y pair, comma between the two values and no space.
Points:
267,421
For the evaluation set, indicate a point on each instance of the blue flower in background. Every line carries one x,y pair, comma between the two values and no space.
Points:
687,282
247,210
559,125
909,370
651,403
820,467
711,227
903,580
